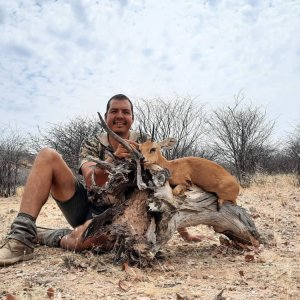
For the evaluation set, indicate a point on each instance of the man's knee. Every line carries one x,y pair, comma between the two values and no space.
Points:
50,158
48,154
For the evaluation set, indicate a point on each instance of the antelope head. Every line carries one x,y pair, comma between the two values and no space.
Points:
151,150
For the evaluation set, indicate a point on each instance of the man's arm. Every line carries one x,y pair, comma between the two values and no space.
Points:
100,175
91,148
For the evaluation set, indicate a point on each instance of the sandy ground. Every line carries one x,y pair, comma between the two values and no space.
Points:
189,271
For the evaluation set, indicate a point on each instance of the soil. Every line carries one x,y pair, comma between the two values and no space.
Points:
204,270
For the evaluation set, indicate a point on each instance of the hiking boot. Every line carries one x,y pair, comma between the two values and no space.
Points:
14,251
51,237
23,229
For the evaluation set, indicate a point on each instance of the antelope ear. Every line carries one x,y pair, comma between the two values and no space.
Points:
168,143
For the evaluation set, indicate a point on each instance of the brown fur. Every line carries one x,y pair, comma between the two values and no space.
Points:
186,171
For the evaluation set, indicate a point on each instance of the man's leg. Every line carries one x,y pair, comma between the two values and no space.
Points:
76,211
49,173
73,241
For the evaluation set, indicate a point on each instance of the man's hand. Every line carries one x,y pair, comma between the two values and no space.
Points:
190,237
100,175
88,171
122,152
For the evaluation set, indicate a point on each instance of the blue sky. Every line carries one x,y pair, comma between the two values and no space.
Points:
59,59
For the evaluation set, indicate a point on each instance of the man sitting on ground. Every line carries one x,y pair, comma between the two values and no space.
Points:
51,175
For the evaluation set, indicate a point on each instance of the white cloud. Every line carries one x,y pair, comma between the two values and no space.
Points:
62,58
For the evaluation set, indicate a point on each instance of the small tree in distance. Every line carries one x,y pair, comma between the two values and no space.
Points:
13,155
66,138
179,118
293,151
241,135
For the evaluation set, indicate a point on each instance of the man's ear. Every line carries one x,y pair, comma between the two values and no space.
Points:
105,116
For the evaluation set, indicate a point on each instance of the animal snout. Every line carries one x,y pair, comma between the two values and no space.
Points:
146,162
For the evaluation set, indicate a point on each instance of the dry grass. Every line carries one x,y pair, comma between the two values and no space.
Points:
19,191
278,180
196,271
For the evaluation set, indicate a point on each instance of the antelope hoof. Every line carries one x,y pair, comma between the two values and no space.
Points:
178,191
220,203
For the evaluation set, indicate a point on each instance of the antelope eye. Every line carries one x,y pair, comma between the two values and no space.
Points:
152,150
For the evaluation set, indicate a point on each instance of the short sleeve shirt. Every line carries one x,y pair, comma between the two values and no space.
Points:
93,147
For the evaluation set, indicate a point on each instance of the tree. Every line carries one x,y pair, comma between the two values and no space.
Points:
13,154
66,138
293,151
179,118
242,134
277,161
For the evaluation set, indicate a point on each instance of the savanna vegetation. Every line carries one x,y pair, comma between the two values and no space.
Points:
239,136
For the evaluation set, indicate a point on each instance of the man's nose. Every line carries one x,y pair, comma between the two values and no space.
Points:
120,114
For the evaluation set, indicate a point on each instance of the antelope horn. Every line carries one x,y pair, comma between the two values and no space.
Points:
134,152
140,130
152,133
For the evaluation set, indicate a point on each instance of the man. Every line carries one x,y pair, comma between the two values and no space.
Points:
50,174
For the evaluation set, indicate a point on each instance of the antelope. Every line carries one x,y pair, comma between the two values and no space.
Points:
186,171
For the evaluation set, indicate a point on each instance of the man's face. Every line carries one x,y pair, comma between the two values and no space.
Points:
119,117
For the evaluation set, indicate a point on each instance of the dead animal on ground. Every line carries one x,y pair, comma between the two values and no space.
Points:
186,171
